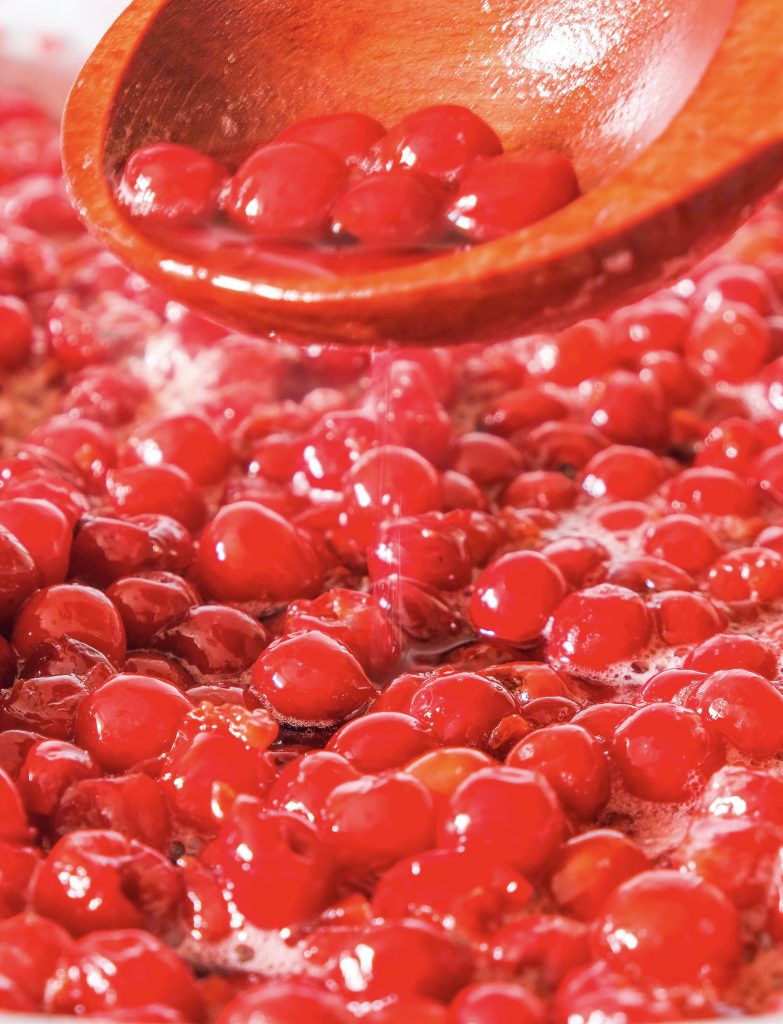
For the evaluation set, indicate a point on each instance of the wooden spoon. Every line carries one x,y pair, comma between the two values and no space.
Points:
672,111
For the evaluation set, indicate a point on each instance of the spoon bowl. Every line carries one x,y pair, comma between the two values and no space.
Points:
670,110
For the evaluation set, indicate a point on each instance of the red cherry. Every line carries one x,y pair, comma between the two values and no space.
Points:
49,768
545,945
16,333
44,531
346,136
440,141
705,490
685,541
249,553
683,618
747,574
158,490
381,742
599,990
284,191
401,958
454,888
283,1002
443,770
276,864
461,709
733,444
736,283
599,627
745,708
730,343
590,867
622,472
509,813
214,640
669,928
541,489
170,184
515,596
131,805
310,679
305,784
123,969
354,816
357,621
734,650
129,720
497,1002
95,880
391,208
507,193
78,612
665,753
184,440
572,356
630,411
422,548
19,574
572,761
30,947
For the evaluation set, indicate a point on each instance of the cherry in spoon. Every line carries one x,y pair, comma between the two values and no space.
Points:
670,110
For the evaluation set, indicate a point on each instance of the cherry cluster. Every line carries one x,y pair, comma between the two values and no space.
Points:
439,175
436,686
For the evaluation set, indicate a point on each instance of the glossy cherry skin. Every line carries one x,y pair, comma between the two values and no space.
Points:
75,611
497,1003
664,752
99,880
283,1002
346,136
515,596
129,720
507,193
249,553
669,928
598,627
572,761
283,192
589,867
170,184
461,709
440,141
276,864
455,888
391,208
495,809
122,969
310,679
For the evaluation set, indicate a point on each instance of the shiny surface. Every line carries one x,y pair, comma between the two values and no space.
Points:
600,88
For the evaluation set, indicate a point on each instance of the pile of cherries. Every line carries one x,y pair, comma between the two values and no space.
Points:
418,686
438,176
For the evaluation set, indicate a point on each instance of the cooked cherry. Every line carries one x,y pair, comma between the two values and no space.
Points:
169,184
129,720
510,813
284,191
515,596
122,969
594,629
572,761
461,709
98,880
509,192
214,640
249,553
440,141
670,928
391,208
131,805
665,753
276,864
497,1002
589,867
310,679
80,613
